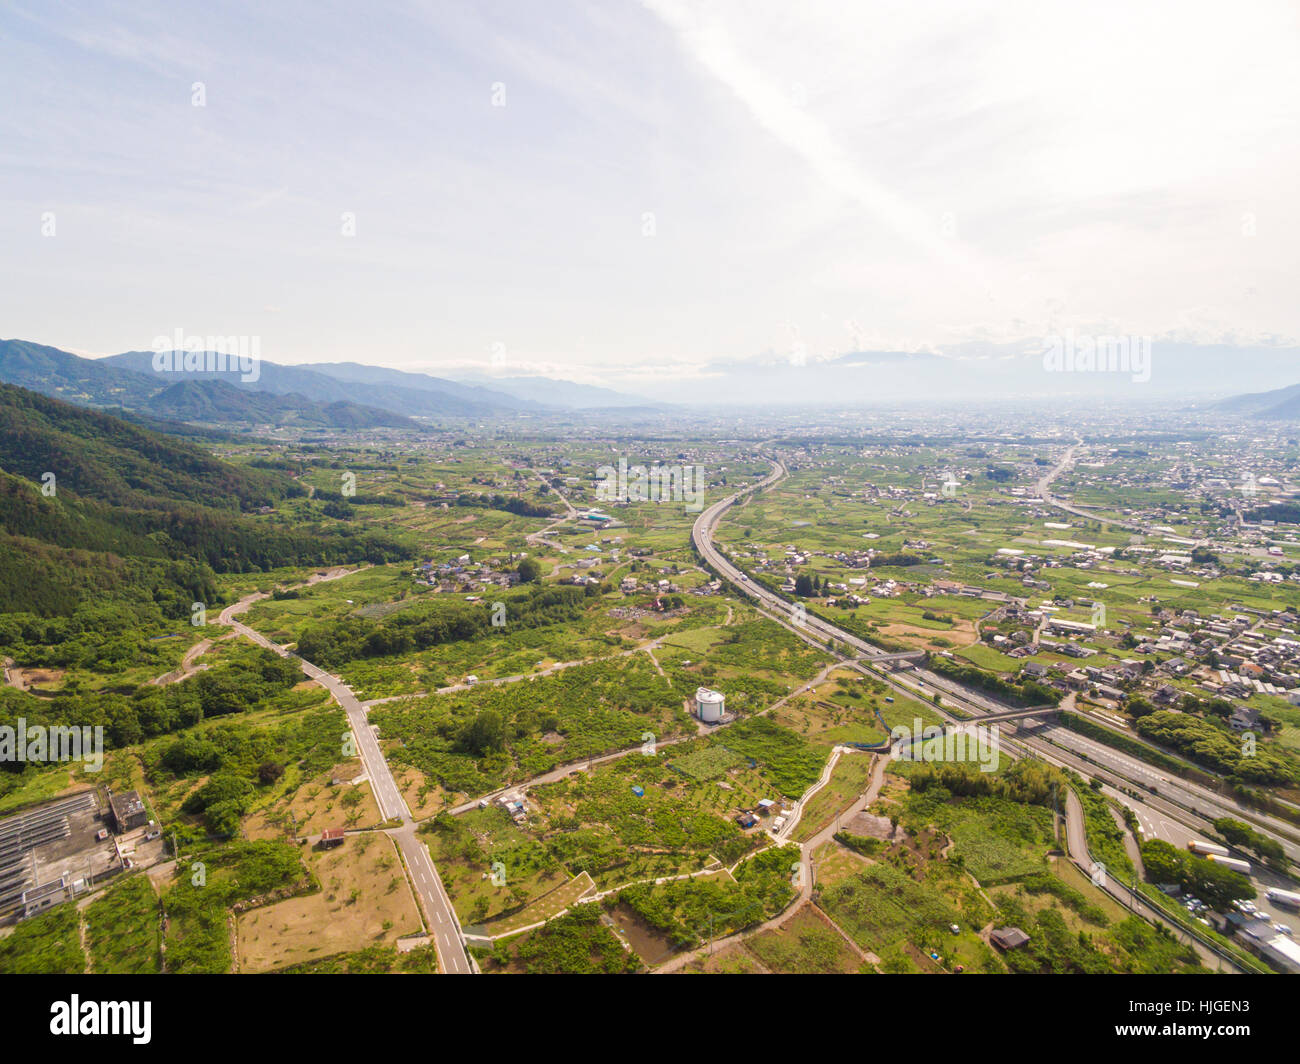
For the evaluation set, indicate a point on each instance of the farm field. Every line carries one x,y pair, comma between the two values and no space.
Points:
363,901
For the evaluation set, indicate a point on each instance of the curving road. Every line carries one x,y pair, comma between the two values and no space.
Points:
439,914
1176,798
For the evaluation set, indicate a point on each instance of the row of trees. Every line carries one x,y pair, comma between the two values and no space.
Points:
1217,748
1213,883
335,643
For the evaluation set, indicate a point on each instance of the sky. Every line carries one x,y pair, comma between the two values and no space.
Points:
618,191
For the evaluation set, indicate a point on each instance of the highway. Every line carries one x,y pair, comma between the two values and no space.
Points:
439,914
1177,800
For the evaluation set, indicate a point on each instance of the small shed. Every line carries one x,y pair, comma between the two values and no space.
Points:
331,837
1006,938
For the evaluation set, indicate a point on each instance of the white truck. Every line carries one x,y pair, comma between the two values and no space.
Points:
1286,898
1230,862
1207,849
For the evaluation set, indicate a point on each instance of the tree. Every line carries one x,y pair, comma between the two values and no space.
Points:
1139,707
269,771
1214,884
530,571
803,586
485,734
1243,835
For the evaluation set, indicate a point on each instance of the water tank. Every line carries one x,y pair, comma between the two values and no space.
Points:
709,705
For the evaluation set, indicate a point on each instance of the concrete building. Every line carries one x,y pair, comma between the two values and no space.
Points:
38,899
128,811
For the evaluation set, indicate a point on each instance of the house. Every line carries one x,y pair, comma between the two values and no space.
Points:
128,811
513,804
1006,938
331,837
1244,719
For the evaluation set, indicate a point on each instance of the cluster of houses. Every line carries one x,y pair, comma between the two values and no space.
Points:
1234,657
464,575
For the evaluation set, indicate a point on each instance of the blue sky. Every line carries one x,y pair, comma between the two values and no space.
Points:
822,176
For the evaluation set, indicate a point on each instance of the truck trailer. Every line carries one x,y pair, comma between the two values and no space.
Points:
1230,862
1287,898
1207,849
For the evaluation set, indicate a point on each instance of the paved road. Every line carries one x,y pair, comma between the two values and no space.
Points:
1077,846
439,914
1177,799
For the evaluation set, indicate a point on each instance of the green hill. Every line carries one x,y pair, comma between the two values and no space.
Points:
135,508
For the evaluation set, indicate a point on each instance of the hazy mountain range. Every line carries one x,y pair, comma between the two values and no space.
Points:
343,395
1164,370
349,395
1281,404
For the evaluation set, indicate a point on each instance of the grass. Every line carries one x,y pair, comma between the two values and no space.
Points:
804,945
48,944
124,929
577,943
544,908
373,960
793,763
847,782
364,900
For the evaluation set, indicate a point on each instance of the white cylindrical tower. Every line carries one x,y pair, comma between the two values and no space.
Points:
709,705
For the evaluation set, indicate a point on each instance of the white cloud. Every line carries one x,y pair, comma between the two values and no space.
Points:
932,173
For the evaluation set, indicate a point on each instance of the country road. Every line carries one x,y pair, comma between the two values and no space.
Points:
806,875
1178,798
1077,848
440,916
